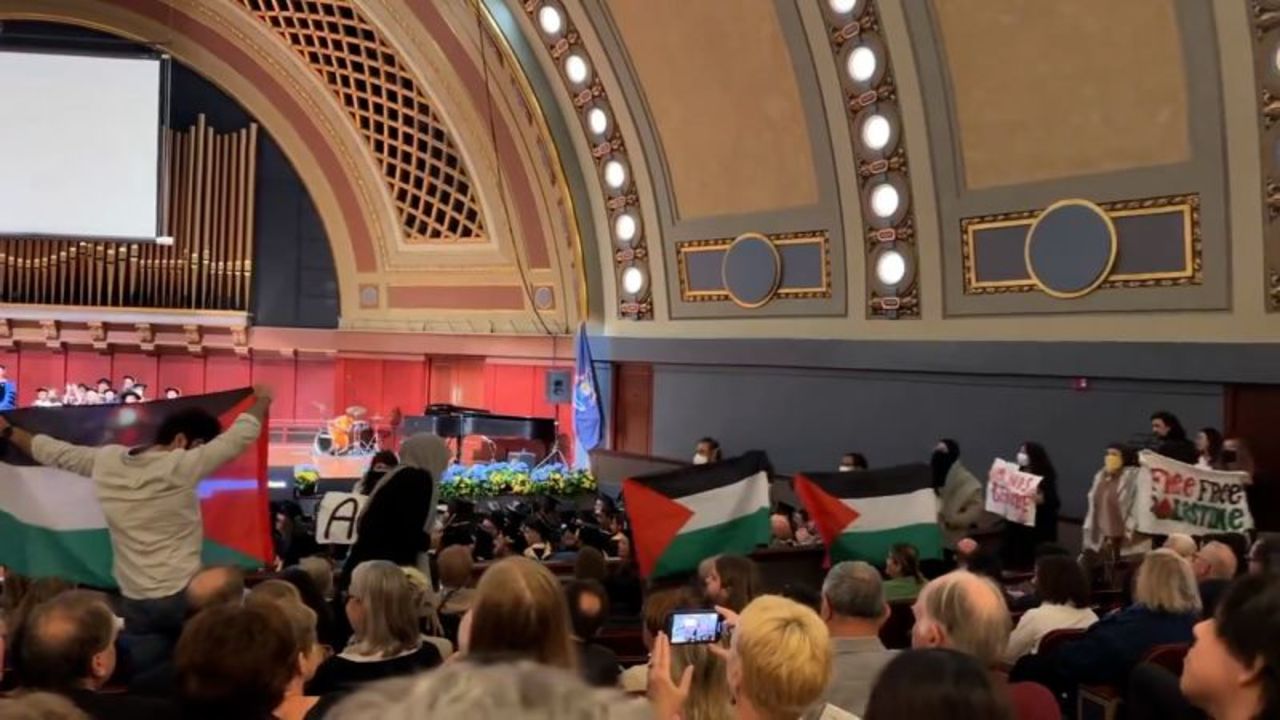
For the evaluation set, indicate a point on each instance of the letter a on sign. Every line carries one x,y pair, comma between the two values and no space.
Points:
337,516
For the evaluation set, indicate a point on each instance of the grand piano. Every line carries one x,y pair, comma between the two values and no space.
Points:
457,423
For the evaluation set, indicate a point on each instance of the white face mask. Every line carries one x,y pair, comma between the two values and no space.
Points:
1023,460
846,468
700,459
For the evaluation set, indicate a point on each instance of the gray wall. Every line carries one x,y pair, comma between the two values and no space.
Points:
805,419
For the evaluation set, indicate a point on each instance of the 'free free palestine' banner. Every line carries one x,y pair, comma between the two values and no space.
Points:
1180,498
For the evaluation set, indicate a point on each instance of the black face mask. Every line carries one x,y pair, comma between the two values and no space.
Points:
1229,456
371,479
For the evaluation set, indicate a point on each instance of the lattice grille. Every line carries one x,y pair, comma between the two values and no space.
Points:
422,168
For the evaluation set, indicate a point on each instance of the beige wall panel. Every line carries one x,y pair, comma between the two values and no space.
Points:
722,92
1047,90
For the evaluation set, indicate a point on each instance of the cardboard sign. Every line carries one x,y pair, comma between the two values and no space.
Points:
1178,498
1011,493
337,517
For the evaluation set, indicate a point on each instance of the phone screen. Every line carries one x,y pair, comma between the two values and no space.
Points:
688,627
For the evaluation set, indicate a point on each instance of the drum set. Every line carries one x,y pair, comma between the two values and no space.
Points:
348,434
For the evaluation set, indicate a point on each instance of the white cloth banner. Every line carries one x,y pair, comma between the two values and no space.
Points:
337,517
1011,493
1174,497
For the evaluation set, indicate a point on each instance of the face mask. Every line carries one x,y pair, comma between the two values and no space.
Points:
846,468
1023,460
1113,463
1230,456
700,459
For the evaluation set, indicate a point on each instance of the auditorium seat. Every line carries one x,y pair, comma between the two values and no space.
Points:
1103,702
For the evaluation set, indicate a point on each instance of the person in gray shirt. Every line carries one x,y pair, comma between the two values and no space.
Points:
854,608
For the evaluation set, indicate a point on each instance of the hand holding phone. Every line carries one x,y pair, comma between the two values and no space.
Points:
694,627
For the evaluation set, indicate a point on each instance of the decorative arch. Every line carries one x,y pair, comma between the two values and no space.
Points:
498,257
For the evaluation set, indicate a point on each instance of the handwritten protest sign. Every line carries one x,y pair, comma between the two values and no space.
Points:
1011,493
337,516
1178,498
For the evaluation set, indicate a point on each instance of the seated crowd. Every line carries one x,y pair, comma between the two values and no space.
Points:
103,392
466,617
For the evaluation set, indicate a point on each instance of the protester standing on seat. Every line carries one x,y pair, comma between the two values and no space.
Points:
148,496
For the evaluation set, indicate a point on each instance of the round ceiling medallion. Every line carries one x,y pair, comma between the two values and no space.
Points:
751,270
1071,248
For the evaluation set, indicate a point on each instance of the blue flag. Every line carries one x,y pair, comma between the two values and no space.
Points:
587,418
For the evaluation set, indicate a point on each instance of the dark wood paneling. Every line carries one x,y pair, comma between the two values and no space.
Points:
1253,413
633,408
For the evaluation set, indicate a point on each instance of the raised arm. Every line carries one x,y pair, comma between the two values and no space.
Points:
235,439
49,451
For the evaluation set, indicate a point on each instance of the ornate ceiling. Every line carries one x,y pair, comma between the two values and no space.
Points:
823,168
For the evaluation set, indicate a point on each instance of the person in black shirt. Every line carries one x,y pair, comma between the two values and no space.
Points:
387,641
1171,439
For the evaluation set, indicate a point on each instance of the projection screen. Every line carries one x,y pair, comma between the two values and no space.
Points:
80,145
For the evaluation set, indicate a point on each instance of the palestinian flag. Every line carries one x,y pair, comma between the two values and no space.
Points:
682,516
52,525
861,515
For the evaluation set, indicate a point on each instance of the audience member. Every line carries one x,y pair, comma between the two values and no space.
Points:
274,590
39,706
1166,604
309,654
386,639
658,604
8,390
70,648
707,451
732,582
936,683
960,499
709,697
853,461
903,568
966,549
499,691
1232,672
383,462
425,604
25,597
591,564
172,393
588,607
1171,439
327,629
1215,566
778,663
455,567
520,610
235,661
1209,449
537,546
1182,545
1020,540
1111,519
967,612
1064,594
854,609
148,496
218,585
1262,554
401,509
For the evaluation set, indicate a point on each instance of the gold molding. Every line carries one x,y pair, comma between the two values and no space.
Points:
817,237
1187,205
1111,257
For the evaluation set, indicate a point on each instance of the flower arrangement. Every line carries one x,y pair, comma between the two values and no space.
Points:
515,478
305,478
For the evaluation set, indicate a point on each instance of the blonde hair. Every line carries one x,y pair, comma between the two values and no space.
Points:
973,625
520,609
1167,583
390,615
425,600
709,697
784,651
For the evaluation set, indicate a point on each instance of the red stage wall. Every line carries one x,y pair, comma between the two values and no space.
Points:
309,389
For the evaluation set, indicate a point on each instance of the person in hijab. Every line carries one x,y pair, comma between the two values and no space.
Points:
959,492
395,522
1020,541
383,461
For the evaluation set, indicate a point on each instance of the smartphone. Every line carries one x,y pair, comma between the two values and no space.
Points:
691,627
